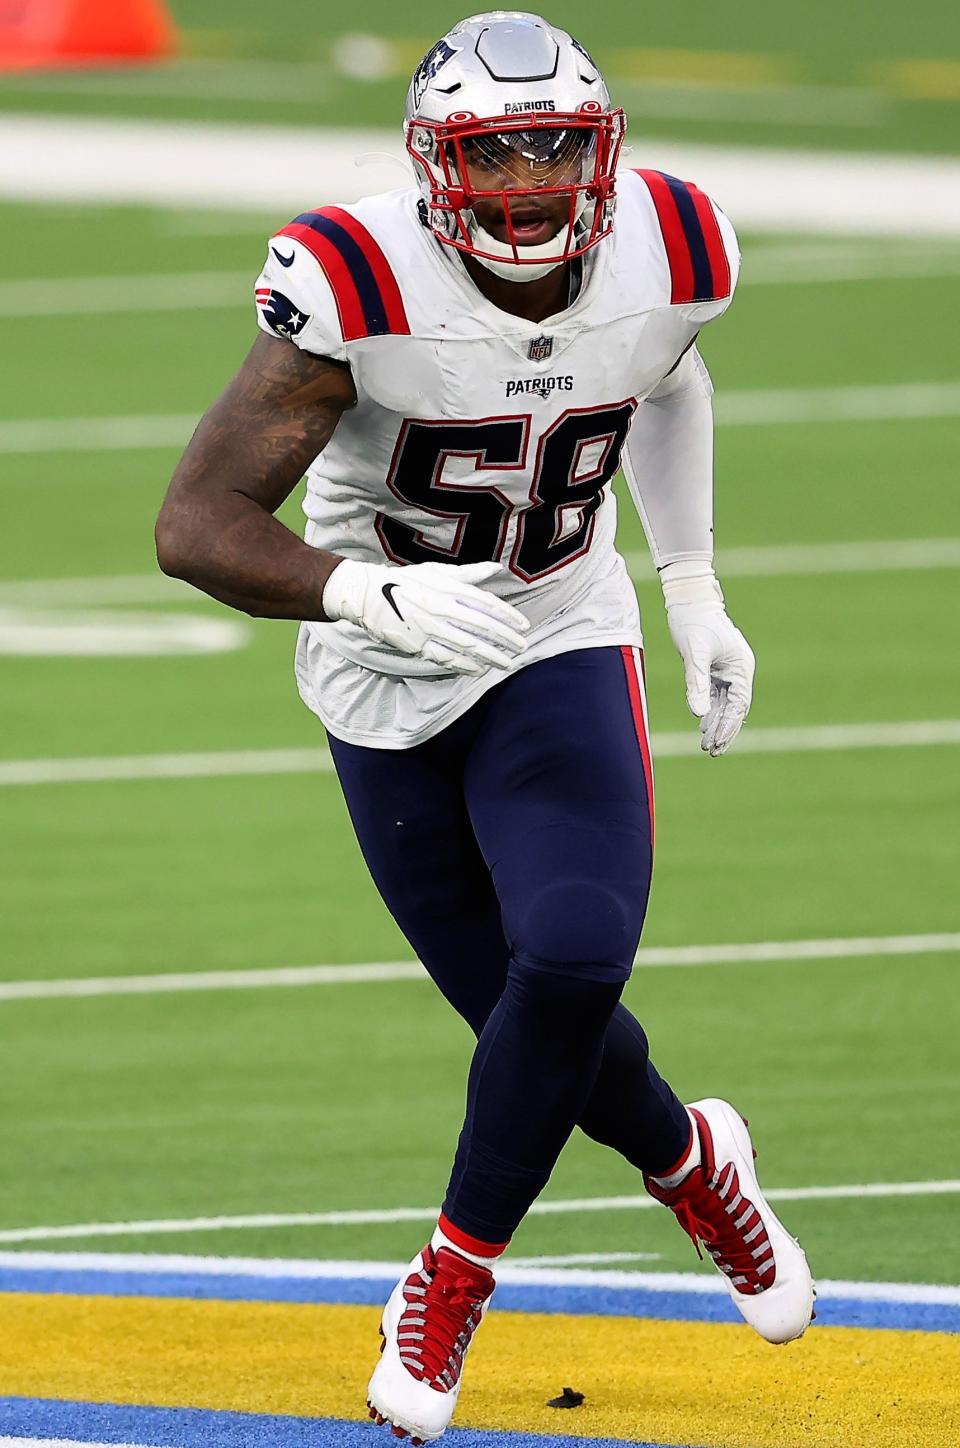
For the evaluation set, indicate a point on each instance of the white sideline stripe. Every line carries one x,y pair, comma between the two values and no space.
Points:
156,292
49,633
104,589
681,743
88,159
885,402
870,556
97,434
758,561
584,1259
894,402
312,1269
763,952
296,1267
306,1270
7,1442
219,290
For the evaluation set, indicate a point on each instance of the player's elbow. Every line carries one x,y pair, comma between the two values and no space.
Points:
172,544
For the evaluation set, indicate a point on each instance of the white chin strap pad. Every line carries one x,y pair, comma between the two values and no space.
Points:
503,264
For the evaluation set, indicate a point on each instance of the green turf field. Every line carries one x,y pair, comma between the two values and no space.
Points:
749,73
290,1100
293,1100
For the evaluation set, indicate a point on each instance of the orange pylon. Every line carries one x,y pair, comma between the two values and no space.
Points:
49,34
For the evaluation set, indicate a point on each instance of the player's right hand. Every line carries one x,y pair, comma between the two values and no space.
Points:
437,611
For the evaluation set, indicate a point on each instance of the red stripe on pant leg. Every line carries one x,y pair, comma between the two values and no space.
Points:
386,281
674,237
353,323
463,1239
635,690
716,251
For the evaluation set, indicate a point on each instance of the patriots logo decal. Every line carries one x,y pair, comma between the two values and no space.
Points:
279,313
432,62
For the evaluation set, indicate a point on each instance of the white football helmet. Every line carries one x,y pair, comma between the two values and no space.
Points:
507,116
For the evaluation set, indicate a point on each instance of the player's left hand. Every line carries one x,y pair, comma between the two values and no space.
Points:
718,662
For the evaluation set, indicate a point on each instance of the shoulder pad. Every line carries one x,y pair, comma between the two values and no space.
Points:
368,299
294,301
699,242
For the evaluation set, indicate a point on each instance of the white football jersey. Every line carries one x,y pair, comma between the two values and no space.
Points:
478,435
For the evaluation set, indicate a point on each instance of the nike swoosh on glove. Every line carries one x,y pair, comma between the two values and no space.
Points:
436,611
718,663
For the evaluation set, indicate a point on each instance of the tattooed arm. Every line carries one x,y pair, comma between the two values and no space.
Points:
216,528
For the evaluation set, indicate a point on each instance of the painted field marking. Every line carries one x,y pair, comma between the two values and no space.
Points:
111,588
846,260
47,633
788,265
678,744
515,1271
648,957
584,1259
893,401
8,1442
881,555
282,1267
780,560
151,292
94,159
885,402
97,434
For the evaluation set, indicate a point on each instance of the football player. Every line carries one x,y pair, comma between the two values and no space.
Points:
460,367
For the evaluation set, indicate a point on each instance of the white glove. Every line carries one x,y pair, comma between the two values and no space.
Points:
717,660
434,610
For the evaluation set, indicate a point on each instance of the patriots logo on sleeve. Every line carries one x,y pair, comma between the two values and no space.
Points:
279,312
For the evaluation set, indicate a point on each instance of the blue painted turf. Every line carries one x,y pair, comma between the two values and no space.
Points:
511,1297
203,1428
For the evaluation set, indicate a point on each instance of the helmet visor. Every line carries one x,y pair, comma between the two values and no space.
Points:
549,156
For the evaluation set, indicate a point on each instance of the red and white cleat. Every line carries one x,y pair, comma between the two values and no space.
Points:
720,1203
428,1326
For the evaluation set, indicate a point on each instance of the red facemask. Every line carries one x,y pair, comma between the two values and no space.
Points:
520,181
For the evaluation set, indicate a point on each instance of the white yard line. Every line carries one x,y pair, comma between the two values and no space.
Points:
113,588
586,1259
885,402
892,401
757,561
125,161
151,292
254,1266
652,957
221,290
49,633
97,434
683,744
849,261
7,1442
777,560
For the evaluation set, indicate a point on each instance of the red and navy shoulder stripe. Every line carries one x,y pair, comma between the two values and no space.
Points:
699,268
368,299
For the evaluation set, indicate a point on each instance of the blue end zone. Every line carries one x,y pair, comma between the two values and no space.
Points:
202,1428
511,1297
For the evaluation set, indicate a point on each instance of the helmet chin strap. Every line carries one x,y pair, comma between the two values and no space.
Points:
503,264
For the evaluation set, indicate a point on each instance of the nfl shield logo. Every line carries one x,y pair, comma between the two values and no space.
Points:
540,349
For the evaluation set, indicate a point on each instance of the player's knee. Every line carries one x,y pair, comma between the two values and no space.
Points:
581,928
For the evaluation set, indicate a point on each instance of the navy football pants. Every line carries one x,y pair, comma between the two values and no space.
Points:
514,850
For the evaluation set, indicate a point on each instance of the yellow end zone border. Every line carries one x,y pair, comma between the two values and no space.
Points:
663,1382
